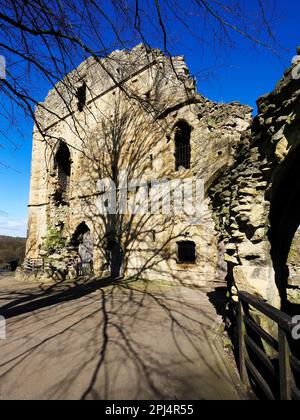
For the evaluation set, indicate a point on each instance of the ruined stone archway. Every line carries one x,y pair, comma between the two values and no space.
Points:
284,217
62,167
256,201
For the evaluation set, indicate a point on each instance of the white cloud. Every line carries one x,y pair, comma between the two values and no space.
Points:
13,227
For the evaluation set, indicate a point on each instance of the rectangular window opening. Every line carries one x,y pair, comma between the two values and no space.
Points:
186,252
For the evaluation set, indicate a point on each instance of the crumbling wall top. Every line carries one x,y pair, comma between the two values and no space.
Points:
103,74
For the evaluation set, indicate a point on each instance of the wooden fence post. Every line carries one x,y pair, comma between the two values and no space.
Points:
284,366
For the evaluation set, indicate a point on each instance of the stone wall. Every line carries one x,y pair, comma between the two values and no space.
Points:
256,201
294,261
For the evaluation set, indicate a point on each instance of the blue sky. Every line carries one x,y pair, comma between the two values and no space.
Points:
239,73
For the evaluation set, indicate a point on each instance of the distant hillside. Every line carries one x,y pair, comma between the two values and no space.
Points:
11,248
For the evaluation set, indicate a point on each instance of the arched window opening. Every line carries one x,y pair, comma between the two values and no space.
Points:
182,145
62,163
186,252
82,242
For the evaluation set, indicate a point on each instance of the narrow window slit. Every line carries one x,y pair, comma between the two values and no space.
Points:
182,146
81,97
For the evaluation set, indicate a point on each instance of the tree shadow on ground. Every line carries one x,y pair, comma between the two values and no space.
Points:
99,339
54,294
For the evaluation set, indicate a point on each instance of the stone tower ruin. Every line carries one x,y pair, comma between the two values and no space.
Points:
136,113
136,116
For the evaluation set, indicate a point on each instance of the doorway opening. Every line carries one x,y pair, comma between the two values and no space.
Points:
82,242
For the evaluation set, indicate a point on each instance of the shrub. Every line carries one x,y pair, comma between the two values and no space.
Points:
53,241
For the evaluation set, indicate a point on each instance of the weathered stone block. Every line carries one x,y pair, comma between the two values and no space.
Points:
259,281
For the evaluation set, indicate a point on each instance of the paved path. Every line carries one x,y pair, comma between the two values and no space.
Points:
87,342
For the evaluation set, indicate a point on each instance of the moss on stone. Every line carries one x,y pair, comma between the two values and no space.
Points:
54,241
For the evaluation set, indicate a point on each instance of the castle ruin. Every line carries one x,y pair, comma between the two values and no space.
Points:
138,113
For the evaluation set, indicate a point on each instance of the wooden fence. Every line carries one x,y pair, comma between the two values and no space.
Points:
285,368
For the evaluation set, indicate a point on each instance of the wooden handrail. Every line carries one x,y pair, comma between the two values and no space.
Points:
281,318
287,361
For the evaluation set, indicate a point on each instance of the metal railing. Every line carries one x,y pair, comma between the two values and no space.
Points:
283,368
